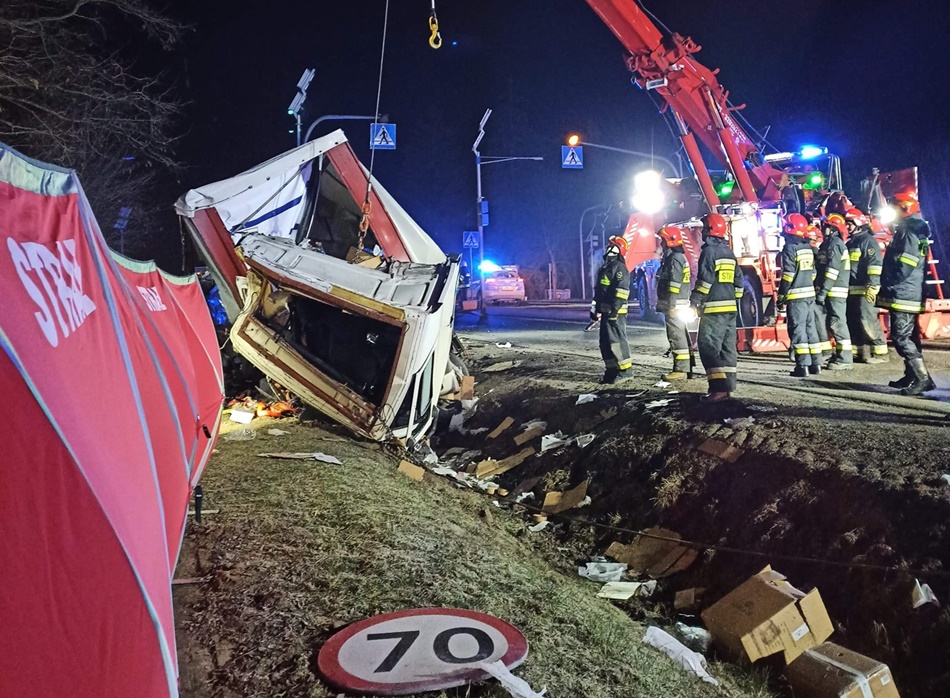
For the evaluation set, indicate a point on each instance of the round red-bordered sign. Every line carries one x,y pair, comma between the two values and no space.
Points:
423,649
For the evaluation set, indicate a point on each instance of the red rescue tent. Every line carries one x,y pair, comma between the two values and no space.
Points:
112,378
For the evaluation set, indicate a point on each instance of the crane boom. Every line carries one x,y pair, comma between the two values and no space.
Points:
663,62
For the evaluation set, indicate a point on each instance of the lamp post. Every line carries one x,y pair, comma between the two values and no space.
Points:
296,104
384,118
580,240
479,161
576,140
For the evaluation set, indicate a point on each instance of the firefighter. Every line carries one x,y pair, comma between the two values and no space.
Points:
610,307
833,276
672,299
815,237
902,292
796,294
867,335
718,286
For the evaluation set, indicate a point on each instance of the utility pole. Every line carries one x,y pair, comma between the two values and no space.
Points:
296,105
478,210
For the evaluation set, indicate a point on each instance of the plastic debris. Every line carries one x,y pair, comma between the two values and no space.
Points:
946,478
240,435
654,404
621,591
923,595
540,526
739,422
673,392
584,398
662,384
523,497
698,639
679,653
322,457
585,502
241,416
277,432
584,440
636,395
762,408
516,687
603,571
535,424
501,366
555,440
506,345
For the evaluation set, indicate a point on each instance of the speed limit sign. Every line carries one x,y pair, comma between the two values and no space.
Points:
424,649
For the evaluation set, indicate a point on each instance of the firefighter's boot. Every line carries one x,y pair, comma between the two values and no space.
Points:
922,380
814,369
610,376
799,372
861,353
675,376
906,380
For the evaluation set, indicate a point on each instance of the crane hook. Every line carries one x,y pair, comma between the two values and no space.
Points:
435,39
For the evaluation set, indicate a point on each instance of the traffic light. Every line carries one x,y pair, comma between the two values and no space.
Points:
725,189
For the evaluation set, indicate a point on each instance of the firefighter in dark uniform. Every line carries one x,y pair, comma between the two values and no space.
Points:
672,299
902,292
821,316
796,293
833,276
718,285
610,306
867,335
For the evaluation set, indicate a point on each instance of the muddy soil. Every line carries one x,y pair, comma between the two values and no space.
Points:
840,494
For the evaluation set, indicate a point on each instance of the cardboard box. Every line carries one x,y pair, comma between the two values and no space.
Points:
766,615
362,259
832,671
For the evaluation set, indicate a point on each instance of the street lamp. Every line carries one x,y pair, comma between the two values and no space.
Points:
479,161
383,118
580,240
296,105
575,139
647,196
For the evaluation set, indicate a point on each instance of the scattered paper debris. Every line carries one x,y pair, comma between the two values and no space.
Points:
411,470
489,468
673,392
555,440
636,395
517,687
585,502
603,571
584,440
679,653
657,554
534,424
923,594
762,408
656,404
622,591
506,422
242,416
240,435
584,398
698,639
322,457
662,384
524,496
496,503
720,449
540,526
946,478
609,413
506,345
739,422
277,432
446,472
556,502
526,436
501,366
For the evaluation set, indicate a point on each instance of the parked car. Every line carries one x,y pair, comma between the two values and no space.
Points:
503,285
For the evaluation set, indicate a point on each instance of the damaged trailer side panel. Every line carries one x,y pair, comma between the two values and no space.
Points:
366,343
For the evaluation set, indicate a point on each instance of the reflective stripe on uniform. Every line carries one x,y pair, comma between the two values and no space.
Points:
622,310
855,255
908,259
799,293
802,349
714,373
679,356
816,348
903,306
719,307
703,287
832,274
845,345
857,290
788,277
739,292
875,269
839,292
604,281
880,349
622,293
625,365
825,346
675,287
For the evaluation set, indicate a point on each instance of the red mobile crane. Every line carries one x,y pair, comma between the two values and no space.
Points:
662,62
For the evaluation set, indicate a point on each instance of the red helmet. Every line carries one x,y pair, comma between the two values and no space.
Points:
907,203
796,225
857,218
836,221
715,225
672,235
620,243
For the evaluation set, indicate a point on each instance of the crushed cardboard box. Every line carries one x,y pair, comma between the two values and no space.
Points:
766,615
363,259
467,388
688,600
411,470
506,422
656,554
721,449
832,671
527,436
556,502
488,468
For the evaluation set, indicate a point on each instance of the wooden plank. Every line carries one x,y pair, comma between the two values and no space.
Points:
529,435
467,389
507,422
488,468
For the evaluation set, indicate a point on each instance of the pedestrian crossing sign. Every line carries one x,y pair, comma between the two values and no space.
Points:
382,136
572,157
470,239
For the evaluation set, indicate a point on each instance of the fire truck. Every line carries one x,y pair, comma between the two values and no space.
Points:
755,194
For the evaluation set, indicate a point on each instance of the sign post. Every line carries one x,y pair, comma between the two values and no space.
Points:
382,136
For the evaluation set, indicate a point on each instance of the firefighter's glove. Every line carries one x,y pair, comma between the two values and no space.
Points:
594,315
820,298
871,294
781,305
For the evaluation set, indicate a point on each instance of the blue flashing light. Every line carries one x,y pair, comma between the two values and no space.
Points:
810,152
455,43
488,266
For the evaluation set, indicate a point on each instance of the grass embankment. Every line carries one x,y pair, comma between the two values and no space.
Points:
297,549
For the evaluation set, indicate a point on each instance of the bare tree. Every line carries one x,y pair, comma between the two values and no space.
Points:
71,94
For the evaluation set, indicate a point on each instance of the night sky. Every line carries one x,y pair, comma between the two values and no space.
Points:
866,78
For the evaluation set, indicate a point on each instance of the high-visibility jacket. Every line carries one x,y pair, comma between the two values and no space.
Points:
832,267
865,254
798,270
672,280
903,276
612,291
718,279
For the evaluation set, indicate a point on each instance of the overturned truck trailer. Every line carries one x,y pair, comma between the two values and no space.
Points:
364,338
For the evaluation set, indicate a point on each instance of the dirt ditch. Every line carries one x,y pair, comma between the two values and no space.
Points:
857,521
